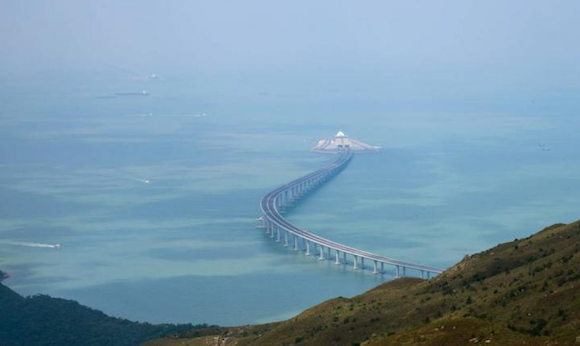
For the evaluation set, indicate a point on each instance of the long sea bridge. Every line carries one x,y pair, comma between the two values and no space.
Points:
275,202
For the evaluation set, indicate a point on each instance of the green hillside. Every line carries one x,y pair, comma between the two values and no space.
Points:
42,320
525,292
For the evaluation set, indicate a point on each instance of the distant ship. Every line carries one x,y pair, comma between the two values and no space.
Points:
142,93
341,142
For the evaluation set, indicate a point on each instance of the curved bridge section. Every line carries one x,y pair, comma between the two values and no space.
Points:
274,203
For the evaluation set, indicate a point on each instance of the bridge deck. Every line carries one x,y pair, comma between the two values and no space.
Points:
269,207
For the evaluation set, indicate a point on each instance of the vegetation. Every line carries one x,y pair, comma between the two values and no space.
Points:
41,320
3,276
522,292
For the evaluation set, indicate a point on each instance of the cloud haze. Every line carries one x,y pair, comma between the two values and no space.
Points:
271,36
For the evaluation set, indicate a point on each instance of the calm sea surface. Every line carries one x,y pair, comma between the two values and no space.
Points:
153,199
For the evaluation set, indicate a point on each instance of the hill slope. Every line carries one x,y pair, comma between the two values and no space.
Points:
522,292
41,320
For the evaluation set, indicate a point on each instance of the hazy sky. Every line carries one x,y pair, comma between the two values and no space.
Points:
272,36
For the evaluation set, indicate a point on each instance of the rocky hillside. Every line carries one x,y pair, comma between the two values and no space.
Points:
525,292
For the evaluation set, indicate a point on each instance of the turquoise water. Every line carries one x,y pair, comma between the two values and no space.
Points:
453,178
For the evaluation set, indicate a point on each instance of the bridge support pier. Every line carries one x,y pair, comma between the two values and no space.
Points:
295,243
273,229
362,263
397,273
307,253
286,238
321,254
382,267
337,262
344,258
278,234
354,264
375,269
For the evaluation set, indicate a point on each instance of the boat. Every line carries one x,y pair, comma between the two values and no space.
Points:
142,93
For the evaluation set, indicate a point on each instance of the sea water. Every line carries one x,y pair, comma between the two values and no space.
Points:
154,198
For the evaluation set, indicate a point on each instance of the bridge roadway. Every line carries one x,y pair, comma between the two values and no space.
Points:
274,202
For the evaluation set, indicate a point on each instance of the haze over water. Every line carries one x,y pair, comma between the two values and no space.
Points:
153,198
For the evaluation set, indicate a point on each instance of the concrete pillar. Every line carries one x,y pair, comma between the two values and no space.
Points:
362,263
278,234
354,263
375,269
295,243
321,253
307,247
286,238
397,275
344,258
337,261
273,229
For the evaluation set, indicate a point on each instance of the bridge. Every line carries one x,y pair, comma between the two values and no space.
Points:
274,203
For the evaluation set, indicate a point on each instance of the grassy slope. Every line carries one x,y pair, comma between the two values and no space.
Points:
522,292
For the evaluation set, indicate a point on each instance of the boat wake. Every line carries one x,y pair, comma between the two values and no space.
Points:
21,243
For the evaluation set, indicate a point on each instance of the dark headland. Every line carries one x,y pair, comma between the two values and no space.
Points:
42,320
